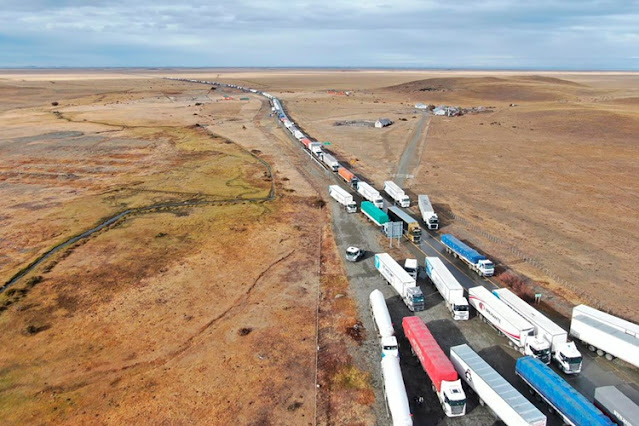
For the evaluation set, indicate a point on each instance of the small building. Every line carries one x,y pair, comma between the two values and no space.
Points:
421,106
383,122
439,111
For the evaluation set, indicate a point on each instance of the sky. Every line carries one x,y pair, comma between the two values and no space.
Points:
489,34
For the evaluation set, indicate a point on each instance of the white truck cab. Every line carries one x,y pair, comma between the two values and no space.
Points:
389,346
410,266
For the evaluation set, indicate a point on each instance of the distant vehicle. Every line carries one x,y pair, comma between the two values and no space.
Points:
377,216
428,213
563,352
299,135
399,279
504,400
348,176
437,366
520,333
383,323
570,405
410,266
606,334
411,227
475,261
343,197
353,253
330,161
370,194
395,392
448,287
620,403
396,193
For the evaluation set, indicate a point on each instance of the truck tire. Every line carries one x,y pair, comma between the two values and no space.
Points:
600,352
591,348
609,357
481,402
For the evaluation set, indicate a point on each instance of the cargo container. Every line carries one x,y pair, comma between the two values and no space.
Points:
519,332
315,148
348,176
395,392
437,366
298,135
493,390
448,287
563,352
428,213
570,405
383,323
411,228
475,261
371,194
396,193
377,216
330,161
606,334
343,197
399,279
620,403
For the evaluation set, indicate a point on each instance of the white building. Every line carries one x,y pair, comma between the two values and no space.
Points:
383,122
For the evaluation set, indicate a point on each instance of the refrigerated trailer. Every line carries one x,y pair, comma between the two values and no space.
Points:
428,213
620,403
401,281
563,352
330,161
343,197
410,226
383,323
370,194
396,193
493,390
448,287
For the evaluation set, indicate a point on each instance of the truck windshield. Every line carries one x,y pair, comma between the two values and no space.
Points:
418,299
461,308
454,402
574,361
489,265
543,353
417,231
390,348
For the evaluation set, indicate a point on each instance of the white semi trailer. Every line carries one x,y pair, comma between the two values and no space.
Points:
563,352
383,323
371,194
493,390
395,392
606,334
401,281
343,197
448,287
330,161
396,193
520,333
428,213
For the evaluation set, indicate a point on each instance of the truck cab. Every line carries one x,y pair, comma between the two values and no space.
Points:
389,346
461,309
410,266
379,202
415,299
351,207
415,233
568,358
453,398
404,201
433,222
538,348
486,267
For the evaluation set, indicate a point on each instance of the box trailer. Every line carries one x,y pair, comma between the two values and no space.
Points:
396,193
411,227
620,403
330,161
410,266
437,366
475,261
395,392
428,213
563,352
399,279
348,176
343,197
493,390
371,194
519,332
377,216
383,323
605,334
570,405
448,287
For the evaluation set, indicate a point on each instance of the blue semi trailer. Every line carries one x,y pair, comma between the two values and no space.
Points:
569,404
477,262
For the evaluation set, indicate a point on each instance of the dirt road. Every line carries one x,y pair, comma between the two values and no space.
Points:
409,160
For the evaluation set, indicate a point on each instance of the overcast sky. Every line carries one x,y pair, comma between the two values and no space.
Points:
351,33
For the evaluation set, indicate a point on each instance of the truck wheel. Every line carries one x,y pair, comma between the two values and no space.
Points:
609,357
600,352
481,402
537,397
591,348
433,388
551,410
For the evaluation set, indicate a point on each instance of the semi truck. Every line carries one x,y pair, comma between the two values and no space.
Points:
348,176
343,197
475,261
437,366
448,287
377,216
564,353
399,279
570,405
493,390
396,193
371,194
395,392
606,334
383,323
410,266
620,403
428,213
330,161
520,333
411,228
298,135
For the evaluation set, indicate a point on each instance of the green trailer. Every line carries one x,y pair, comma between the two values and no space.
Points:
376,215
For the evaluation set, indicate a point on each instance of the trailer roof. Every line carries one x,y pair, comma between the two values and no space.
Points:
619,334
449,279
505,390
528,312
401,214
622,324
483,295
430,354
623,400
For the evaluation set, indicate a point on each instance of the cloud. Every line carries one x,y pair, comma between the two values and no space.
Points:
410,33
